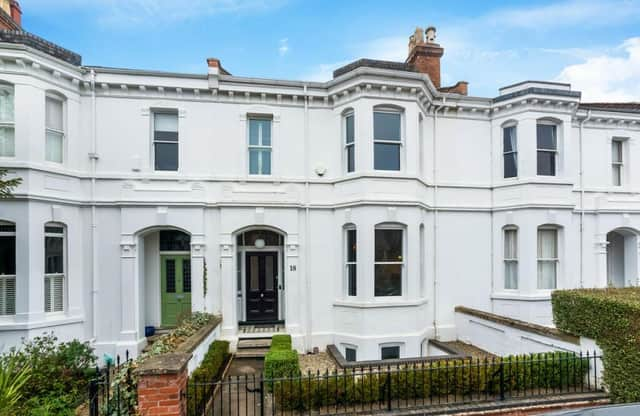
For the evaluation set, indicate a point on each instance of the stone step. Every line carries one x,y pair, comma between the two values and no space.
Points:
252,353
252,343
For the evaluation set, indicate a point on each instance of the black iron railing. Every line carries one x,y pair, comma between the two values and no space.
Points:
110,392
427,384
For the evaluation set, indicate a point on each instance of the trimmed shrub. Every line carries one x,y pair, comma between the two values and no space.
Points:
462,378
211,366
612,318
281,363
281,342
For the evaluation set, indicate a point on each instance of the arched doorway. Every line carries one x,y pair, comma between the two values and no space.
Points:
622,258
260,276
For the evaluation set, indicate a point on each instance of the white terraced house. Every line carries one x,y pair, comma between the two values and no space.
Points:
357,212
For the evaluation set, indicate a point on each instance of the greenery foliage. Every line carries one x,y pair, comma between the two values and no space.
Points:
612,318
442,378
212,363
58,374
7,185
281,360
12,380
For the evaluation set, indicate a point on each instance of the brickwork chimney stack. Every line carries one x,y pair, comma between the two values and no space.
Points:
425,53
16,12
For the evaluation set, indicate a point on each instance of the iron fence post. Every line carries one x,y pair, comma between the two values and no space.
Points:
262,396
93,398
388,389
501,379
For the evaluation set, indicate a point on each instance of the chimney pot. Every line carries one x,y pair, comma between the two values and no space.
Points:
213,62
430,34
425,56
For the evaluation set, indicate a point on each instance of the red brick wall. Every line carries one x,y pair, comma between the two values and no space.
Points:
162,394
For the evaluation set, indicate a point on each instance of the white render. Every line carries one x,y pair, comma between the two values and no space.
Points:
450,185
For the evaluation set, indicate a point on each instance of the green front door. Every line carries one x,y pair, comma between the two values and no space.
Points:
176,288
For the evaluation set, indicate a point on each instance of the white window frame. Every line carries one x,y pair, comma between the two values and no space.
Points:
555,151
510,260
171,111
50,276
618,165
555,260
10,125
511,152
346,144
5,279
259,147
399,143
63,152
347,263
403,283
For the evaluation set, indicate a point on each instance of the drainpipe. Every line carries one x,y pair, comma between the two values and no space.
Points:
492,233
94,246
581,174
307,227
435,217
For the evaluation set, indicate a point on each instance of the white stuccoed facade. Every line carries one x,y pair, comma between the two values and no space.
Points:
449,197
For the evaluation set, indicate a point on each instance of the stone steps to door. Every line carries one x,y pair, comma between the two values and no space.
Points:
252,353
253,347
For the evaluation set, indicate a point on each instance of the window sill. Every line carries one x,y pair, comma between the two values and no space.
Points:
8,323
540,296
372,304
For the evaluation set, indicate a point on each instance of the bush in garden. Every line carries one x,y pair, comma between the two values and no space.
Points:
612,318
12,381
211,366
281,342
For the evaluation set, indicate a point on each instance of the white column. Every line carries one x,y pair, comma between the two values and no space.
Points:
129,297
600,250
197,274
294,289
227,280
29,268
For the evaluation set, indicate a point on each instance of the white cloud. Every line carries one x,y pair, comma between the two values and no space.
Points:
150,12
322,72
283,49
608,77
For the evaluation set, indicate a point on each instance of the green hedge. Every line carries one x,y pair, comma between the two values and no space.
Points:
281,361
280,342
443,378
212,362
612,318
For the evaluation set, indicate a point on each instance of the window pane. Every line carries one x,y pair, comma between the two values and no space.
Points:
54,114
174,240
186,276
53,147
509,139
167,122
269,278
510,244
171,275
546,136
547,244
350,354
511,275
616,151
546,163
53,255
388,245
266,162
7,142
351,245
390,353
547,274
166,155
386,157
254,162
7,295
386,126
6,103
350,132
388,280
351,160
259,132
510,165
53,293
266,132
270,238
617,175
254,282
7,255
351,280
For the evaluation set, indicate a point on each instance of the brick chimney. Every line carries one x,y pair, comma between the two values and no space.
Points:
425,53
16,12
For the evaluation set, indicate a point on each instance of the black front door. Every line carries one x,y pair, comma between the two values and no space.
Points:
261,272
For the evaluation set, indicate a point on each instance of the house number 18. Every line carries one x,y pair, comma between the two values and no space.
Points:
292,267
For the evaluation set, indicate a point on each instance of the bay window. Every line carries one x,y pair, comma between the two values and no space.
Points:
54,267
547,258
510,258
389,261
259,146
387,139
349,142
7,268
350,264
510,151
7,129
547,145
54,131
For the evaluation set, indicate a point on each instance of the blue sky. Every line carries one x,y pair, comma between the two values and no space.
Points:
595,45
